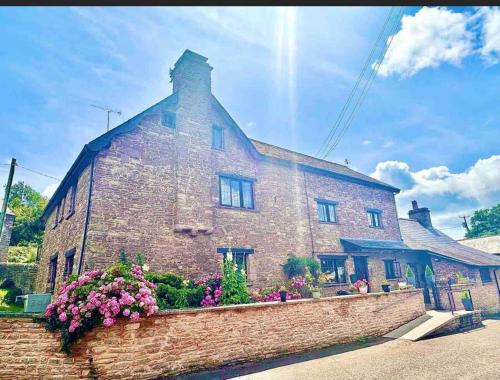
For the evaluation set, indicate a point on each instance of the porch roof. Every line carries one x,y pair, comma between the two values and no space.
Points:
437,243
363,244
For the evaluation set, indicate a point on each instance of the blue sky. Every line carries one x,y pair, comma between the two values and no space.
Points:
430,122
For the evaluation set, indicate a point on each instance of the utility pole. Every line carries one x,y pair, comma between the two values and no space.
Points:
108,111
7,194
464,224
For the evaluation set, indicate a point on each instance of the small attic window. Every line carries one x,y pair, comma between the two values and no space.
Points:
168,119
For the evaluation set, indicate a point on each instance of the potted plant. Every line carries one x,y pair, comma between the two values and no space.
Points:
402,285
283,294
429,276
316,292
466,300
386,286
362,286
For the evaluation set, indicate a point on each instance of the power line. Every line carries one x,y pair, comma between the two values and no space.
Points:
368,84
39,173
369,59
389,28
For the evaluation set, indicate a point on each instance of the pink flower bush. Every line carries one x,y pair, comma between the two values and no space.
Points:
294,288
101,297
213,290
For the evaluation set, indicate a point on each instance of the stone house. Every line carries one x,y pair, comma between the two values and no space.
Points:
181,183
6,233
490,244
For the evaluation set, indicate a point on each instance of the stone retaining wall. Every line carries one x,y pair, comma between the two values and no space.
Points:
181,341
23,275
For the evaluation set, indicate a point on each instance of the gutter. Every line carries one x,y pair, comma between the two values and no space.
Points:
87,216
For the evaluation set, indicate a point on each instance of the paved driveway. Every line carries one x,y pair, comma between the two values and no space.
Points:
471,355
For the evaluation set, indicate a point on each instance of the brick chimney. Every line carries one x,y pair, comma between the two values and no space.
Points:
191,75
420,214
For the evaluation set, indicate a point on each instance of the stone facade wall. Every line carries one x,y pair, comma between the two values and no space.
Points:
156,191
5,238
65,236
23,275
176,342
485,296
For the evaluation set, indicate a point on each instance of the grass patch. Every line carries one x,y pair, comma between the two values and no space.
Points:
11,308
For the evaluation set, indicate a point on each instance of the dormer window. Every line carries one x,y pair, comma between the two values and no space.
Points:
168,119
217,138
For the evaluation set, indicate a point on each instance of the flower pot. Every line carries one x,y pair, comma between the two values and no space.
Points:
283,295
386,288
316,294
363,289
467,302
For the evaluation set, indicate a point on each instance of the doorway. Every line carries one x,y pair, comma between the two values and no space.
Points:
361,268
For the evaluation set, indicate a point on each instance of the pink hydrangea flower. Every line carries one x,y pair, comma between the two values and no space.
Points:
134,317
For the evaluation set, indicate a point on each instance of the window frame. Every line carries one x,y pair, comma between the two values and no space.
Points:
327,204
245,252
240,180
372,211
336,260
396,269
167,116
61,211
222,140
52,274
72,201
485,274
56,216
69,259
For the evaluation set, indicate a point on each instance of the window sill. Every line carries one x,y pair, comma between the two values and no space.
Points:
54,226
379,228
320,222
237,208
70,214
218,149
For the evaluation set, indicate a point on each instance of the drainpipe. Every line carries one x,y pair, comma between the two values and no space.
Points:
309,215
87,216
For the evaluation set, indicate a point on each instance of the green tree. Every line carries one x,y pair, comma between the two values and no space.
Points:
28,205
485,222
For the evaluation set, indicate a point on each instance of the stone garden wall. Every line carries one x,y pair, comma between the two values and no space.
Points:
23,275
181,341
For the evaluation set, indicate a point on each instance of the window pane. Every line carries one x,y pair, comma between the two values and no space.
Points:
322,212
235,193
327,266
390,271
247,194
218,139
331,213
225,192
376,219
341,271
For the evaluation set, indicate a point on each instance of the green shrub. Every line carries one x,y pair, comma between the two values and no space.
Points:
169,297
21,254
8,283
12,293
296,266
234,284
167,278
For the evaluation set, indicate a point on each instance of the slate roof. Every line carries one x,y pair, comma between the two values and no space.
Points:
303,159
374,244
435,242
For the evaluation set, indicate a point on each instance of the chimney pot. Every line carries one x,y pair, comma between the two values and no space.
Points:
414,205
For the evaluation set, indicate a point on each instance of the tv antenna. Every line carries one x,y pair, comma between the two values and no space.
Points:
108,110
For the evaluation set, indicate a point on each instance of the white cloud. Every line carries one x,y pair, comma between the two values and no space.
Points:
49,190
426,39
387,144
448,195
366,142
491,34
